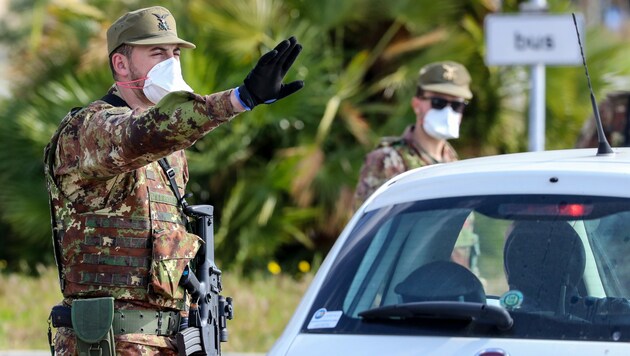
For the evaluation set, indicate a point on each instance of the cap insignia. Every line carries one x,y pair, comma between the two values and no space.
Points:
162,25
449,72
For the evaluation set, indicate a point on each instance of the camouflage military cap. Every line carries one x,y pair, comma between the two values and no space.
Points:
445,77
148,26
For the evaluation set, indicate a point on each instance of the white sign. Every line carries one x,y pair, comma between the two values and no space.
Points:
533,39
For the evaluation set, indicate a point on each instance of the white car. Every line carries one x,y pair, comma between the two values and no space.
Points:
519,254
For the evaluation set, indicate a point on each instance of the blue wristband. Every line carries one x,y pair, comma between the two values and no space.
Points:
238,96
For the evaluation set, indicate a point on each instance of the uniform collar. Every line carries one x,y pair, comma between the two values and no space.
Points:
448,152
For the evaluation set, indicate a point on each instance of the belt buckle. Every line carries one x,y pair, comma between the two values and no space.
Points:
159,316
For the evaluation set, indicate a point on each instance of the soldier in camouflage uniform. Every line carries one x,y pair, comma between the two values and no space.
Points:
118,228
443,92
615,122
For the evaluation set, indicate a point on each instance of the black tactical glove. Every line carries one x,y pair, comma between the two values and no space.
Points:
264,83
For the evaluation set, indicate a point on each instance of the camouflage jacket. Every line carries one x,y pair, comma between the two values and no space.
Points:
394,155
116,219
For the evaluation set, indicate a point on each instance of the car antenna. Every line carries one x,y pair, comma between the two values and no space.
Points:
603,147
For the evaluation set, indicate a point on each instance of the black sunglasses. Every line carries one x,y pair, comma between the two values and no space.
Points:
440,103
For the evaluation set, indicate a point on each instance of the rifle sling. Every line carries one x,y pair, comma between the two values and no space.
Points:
170,174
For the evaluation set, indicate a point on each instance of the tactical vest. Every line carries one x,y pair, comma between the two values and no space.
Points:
135,248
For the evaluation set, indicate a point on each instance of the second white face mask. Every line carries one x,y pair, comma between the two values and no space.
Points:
165,77
442,124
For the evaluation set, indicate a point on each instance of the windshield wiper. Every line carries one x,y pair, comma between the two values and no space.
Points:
478,312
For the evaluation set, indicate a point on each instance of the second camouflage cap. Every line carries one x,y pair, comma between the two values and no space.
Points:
148,26
446,77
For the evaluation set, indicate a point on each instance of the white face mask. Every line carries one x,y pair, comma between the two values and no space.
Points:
442,124
165,77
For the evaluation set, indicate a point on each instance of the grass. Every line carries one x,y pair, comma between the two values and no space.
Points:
262,308
263,305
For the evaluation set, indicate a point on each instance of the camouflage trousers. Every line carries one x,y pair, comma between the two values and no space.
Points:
127,344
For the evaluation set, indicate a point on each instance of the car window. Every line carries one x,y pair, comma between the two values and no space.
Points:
546,260
610,238
400,247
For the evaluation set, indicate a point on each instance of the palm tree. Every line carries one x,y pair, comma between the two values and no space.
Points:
298,169
44,89
281,177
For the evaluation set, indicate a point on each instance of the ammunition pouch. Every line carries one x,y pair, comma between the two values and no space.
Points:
92,321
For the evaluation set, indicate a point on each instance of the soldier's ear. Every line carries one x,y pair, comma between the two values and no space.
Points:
120,64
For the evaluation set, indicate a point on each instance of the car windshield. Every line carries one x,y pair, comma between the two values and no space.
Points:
518,266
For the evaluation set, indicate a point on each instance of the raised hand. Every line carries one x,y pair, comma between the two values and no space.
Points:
264,83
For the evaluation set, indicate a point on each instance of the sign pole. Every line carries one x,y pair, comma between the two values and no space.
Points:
537,108
537,92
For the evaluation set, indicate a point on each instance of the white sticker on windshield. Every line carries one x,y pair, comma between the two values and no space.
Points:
323,319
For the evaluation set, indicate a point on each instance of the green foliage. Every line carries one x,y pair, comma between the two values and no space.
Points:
280,177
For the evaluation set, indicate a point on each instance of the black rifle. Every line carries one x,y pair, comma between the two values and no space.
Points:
209,311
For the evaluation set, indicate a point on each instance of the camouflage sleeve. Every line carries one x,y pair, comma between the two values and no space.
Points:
115,140
380,165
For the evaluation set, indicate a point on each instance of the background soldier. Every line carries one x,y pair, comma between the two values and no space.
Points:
615,122
442,94
117,225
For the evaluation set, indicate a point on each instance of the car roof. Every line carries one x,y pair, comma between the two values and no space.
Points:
574,171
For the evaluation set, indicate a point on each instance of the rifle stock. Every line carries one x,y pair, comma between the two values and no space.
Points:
209,311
